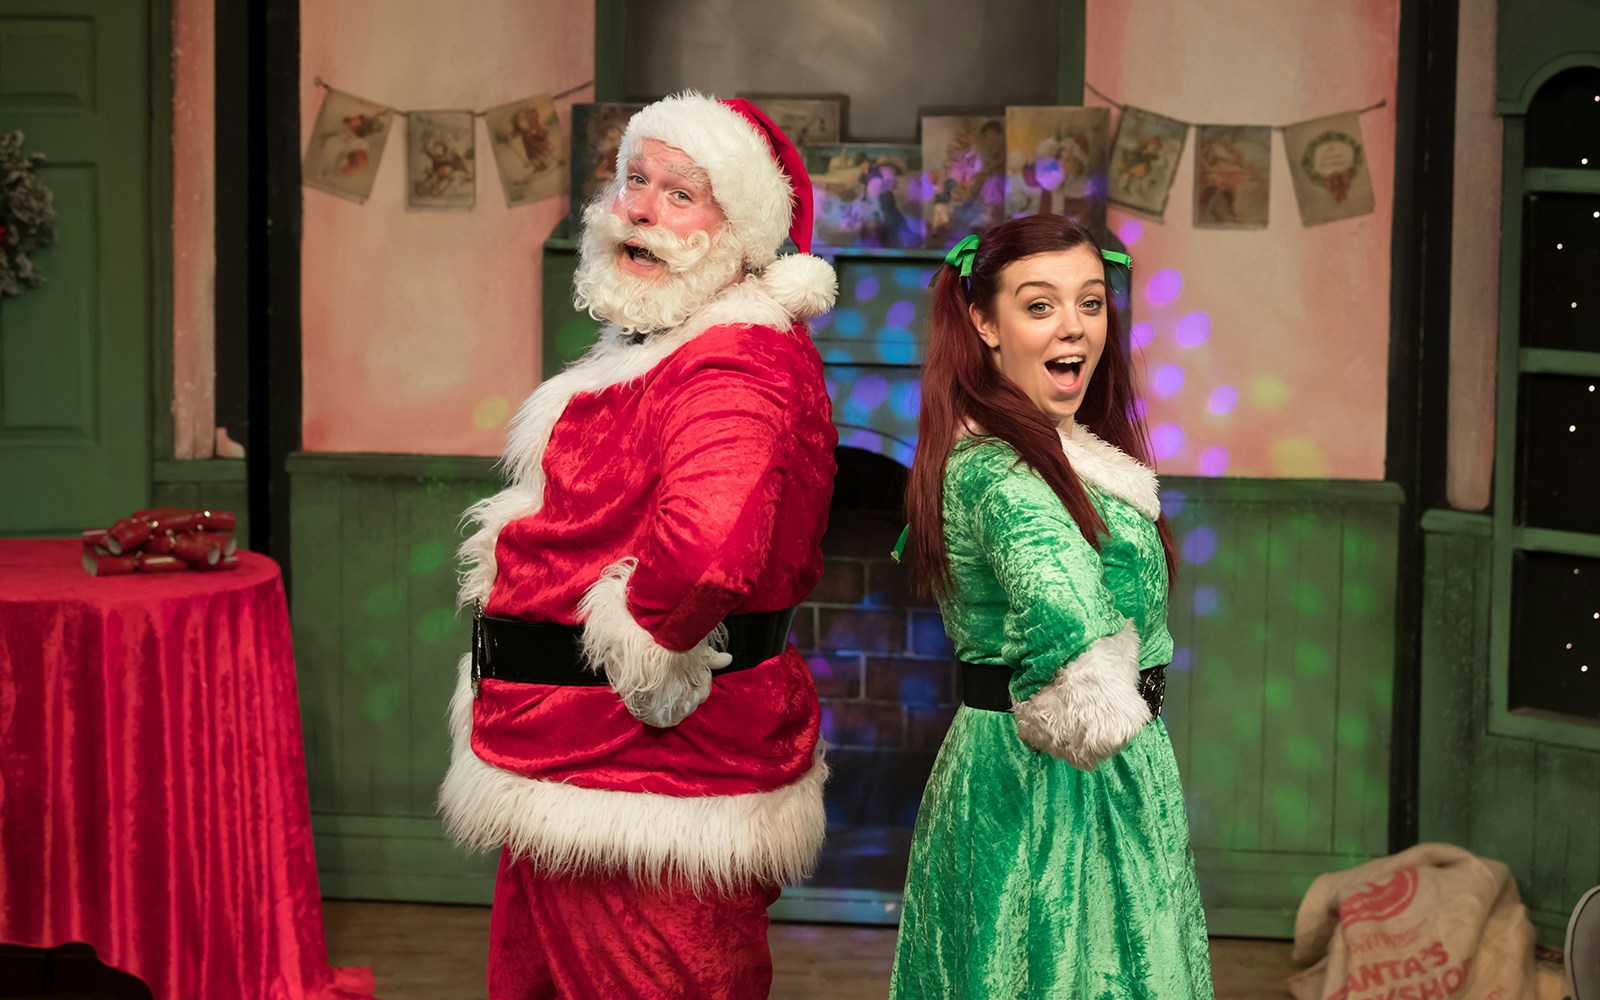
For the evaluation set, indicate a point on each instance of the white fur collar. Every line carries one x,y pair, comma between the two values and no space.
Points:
615,359
1112,470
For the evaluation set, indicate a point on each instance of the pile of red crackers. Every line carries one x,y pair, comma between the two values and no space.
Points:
163,540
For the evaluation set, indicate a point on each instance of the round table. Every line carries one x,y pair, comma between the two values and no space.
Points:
152,778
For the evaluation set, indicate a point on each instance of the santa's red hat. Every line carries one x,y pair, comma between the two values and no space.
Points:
759,182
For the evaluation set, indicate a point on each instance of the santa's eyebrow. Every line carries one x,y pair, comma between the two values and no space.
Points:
692,172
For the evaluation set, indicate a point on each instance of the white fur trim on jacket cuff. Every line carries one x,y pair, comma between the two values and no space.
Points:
659,686
1092,709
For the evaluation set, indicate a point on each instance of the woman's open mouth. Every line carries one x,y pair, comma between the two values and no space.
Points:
1066,373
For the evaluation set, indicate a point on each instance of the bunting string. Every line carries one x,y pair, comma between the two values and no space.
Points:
1120,106
325,85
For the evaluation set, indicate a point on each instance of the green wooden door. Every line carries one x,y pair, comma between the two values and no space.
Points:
75,353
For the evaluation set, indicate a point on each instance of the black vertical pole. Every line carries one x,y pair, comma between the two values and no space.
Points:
1419,352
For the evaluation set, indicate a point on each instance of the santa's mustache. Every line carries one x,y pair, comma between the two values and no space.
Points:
678,253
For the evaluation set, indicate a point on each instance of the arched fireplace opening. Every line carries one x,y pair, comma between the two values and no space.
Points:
884,674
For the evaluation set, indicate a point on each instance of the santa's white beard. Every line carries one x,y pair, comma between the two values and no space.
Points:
694,270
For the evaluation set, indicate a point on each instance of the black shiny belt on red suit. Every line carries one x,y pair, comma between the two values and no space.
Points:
989,687
506,649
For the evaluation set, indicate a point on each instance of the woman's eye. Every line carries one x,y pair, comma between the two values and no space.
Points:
1092,305
1039,308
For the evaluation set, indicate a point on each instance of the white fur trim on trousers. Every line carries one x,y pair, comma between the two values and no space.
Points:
1093,708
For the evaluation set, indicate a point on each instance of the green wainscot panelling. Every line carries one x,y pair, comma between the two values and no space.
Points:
216,484
377,639
1531,804
1280,693
1279,698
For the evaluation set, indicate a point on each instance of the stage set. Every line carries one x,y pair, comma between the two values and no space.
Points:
276,279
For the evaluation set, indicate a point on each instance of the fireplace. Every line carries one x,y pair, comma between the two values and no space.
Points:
886,680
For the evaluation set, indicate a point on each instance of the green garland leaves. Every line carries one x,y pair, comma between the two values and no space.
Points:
27,216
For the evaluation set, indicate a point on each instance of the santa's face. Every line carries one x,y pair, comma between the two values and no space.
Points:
663,189
656,246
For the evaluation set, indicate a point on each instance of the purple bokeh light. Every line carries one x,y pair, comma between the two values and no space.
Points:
1130,232
865,440
1165,286
1141,408
1182,660
1172,502
1047,174
1213,461
1167,380
1193,330
1200,545
1166,440
867,288
1141,335
870,392
1223,399
1205,601
902,313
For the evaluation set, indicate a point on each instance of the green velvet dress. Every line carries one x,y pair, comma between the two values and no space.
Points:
1028,876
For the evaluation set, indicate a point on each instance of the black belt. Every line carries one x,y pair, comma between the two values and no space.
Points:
989,687
546,653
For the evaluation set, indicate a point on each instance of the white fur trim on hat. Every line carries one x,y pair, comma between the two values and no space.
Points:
747,183
804,285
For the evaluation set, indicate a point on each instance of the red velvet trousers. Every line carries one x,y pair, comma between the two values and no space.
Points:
607,937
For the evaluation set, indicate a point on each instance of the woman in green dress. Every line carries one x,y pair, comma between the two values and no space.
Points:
1051,856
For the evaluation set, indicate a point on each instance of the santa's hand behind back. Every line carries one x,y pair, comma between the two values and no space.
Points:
659,686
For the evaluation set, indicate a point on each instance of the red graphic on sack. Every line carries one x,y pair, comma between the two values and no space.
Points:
1380,900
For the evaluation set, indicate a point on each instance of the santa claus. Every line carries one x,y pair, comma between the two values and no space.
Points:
632,729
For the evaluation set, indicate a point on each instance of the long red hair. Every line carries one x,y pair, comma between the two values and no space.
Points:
962,386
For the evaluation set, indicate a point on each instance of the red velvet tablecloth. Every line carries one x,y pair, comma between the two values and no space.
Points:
152,778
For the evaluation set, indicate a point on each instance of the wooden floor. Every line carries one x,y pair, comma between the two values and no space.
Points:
423,952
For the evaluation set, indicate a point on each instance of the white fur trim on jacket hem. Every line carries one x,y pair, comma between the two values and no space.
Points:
1092,709
711,841
660,686
1112,470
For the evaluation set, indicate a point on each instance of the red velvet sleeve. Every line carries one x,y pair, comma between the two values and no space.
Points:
725,435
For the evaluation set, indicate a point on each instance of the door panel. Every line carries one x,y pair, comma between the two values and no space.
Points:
75,352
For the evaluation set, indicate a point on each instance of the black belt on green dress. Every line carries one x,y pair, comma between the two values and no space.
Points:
988,687
509,649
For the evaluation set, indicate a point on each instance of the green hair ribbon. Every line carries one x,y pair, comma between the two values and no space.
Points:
1118,258
900,546
960,258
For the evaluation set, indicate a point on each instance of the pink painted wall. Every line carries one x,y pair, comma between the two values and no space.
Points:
1299,317
194,262
421,329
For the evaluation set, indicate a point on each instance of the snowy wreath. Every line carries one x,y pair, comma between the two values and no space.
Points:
27,216
1336,181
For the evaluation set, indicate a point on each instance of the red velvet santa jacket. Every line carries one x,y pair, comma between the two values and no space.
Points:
704,454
